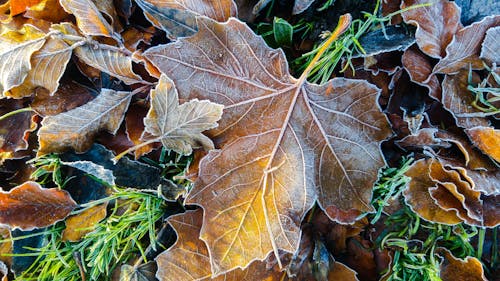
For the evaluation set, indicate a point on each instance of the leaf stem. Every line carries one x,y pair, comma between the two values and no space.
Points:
344,22
21,110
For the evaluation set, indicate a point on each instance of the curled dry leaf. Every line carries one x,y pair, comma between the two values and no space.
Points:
490,50
15,129
450,191
48,65
417,195
463,50
458,100
17,56
77,127
453,269
109,59
180,127
188,259
436,24
29,206
419,68
178,17
487,139
80,224
88,18
273,126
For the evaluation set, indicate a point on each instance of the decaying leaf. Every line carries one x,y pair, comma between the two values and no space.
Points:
109,59
29,206
16,58
93,169
490,50
273,126
178,17
77,127
417,195
135,128
436,24
453,269
458,100
88,18
15,129
419,68
188,259
180,127
487,139
80,224
450,191
463,50
48,65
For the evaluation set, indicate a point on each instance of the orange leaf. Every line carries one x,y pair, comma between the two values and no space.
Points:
19,6
453,269
29,206
487,139
80,224
88,18
284,143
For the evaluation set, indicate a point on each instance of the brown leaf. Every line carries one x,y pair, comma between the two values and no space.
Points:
108,8
48,65
77,127
188,258
29,206
417,195
69,95
490,50
453,269
180,127
82,223
463,50
436,24
135,128
458,100
109,59
178,17
487,139
15,129
49,10
17,56
273,126
419,68
88,18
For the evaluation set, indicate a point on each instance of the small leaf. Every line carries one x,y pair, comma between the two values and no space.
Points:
16,55
282,31
76,128
93,169
80,224
109,59
436,24
88,18
29,206
180,127
15,129
463,50
487,139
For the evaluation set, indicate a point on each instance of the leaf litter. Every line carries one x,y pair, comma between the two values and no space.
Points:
165,140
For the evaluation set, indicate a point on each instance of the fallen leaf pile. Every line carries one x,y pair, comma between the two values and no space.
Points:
283,168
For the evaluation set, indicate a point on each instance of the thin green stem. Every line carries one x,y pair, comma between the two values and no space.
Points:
21,110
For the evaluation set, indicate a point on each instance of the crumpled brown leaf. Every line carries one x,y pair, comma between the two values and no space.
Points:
30,206
15,129
419,68
77,127
273,126
463,50
436,24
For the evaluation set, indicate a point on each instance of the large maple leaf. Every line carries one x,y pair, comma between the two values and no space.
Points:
284,143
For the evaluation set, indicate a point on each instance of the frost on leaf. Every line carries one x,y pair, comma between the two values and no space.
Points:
29,206
77,127
180,127
283,143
